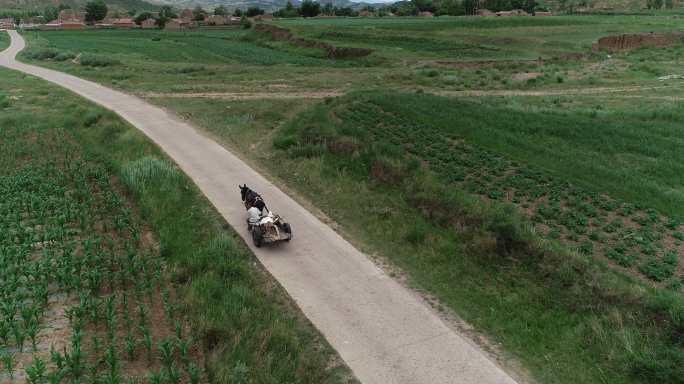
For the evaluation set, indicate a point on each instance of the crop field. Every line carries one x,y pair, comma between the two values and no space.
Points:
529,184
102,282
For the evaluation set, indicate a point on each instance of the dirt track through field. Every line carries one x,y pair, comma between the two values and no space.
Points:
382,330
242,95
301,94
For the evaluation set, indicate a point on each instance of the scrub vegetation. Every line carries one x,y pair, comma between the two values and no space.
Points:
544,207
116,269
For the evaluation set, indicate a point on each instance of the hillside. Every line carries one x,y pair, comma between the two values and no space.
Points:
269,5
32,5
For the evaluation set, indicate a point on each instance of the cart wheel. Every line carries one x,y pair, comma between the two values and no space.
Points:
257,236
288,230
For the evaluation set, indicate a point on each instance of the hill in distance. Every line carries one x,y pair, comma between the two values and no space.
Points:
39,5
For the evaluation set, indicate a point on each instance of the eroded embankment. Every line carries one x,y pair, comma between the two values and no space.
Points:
332,51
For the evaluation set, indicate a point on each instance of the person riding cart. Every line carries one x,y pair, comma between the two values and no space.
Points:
265,226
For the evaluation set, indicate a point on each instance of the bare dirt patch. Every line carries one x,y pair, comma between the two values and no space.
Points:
625,42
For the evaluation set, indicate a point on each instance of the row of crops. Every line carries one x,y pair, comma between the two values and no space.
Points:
84,295
630,237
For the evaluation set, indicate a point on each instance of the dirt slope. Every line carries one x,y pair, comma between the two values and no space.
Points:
383,331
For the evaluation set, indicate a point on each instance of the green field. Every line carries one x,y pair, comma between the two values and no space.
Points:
115,268
4,40
531,185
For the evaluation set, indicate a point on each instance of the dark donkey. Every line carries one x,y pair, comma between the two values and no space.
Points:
251,198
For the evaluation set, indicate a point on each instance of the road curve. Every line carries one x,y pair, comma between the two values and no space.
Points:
383,331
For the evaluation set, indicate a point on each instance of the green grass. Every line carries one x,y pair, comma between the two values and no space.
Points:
4,41
245,325
542,303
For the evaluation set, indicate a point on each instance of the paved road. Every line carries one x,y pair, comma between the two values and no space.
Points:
381,329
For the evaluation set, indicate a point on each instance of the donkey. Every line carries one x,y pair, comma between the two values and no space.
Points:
251,198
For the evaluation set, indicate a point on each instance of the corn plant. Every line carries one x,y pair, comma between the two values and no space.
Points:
165,347
193,373
35,372
8,363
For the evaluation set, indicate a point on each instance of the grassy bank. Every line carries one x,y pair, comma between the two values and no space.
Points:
245,325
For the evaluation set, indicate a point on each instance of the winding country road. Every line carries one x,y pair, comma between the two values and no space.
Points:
382,330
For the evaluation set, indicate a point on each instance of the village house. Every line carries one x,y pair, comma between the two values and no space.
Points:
216,20
148,24
70,15
7,23
485,12
176,25
125,23
543,13
186,15
265,16
67,19
514,12
426,14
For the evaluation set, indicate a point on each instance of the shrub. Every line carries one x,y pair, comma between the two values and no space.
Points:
387,171
41,53
656,269
64,56
91,118
91,60
4,101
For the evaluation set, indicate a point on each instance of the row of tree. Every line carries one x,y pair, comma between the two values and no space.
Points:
310,8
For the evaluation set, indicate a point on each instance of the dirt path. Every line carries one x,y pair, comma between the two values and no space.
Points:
242,95
383,331
468,93
555,92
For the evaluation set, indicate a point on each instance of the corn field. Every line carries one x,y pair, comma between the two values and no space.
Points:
84,294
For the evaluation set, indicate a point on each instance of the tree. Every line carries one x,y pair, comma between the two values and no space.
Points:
310,8
95,11
470,7
198,13
237,12
424,5
328,9
254,11
529,6
51,13
142,17
451,8
165,14
288,11
220,11
245,23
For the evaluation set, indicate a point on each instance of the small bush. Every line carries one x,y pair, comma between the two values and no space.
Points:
417,234
41,53
64,56
91,60
387,171
91,118
4,101
656,269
